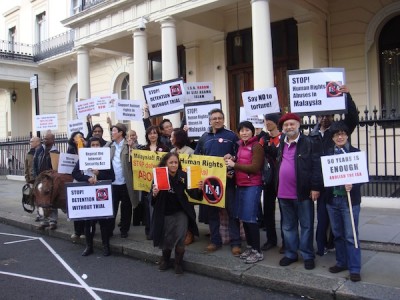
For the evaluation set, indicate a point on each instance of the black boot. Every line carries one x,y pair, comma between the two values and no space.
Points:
164,262
105,238
179,252
89,245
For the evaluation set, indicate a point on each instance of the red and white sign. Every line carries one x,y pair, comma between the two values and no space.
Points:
46,122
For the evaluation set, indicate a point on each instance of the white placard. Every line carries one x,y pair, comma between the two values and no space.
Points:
257,122
316,91
88,201
165,98
33,82
344,169
261,102
197,118
77,125
85,107
46,122
106,103
129,110
66,163
199,91
94,158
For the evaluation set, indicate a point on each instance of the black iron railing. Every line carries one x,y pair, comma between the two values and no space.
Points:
15,51
55,45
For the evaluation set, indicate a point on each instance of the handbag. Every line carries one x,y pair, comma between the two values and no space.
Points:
27,200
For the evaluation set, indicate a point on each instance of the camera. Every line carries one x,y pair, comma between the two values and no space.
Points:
142,24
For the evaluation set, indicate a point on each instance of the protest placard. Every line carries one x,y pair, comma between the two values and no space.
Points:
261,102
316,91
255,120
197,118
94,158
85,107
46,122
198,91
67,162
346,168
165,97
75,126
105,103
89,201
161,179
129,110
213,173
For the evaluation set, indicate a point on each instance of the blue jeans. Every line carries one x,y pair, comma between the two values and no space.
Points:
346,253
214,221
247,203
293,213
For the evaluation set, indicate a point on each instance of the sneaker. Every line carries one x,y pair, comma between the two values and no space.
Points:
254,257
337,269
309,264
285,261
355,277
246,253
75,238
236,251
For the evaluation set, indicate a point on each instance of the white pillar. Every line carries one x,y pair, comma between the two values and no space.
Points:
262,45
83,73
140,76
169,57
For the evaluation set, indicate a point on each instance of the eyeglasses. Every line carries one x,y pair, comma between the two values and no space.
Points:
342,134
217,118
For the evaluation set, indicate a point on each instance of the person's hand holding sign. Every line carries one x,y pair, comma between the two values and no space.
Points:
155,190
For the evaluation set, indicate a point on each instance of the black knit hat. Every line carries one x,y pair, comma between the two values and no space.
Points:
273,117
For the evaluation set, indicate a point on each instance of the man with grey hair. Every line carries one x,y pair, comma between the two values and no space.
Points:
35,144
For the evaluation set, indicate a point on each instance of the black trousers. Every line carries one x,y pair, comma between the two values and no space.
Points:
269,213
121,195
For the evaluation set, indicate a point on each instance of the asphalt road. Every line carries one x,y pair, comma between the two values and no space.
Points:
41,267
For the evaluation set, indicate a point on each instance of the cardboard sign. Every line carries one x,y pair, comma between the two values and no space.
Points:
197,118
129,110
346,168
67,162
261,102
89,201
161,179
198,92
77,125
94,158
46,122
255,120
165,98
316,91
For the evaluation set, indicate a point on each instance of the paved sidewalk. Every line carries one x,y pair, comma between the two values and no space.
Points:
380,241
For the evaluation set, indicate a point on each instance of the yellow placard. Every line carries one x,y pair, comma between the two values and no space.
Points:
213,172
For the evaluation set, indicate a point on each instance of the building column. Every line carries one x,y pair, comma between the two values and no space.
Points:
83,73
262,45
140,76
220,74
309,41
169,57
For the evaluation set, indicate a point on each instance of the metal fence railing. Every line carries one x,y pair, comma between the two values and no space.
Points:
377,135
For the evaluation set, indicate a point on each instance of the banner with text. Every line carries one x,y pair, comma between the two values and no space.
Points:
89,201
197,118
85,107
344,169
66,163
46,122
316,91
213,173
94,158
261,102
255,120
77,125
129,110
165,97
198,91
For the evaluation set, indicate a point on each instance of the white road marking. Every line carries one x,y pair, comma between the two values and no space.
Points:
81,287
82,284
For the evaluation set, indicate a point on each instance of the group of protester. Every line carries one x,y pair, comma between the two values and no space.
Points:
283,165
